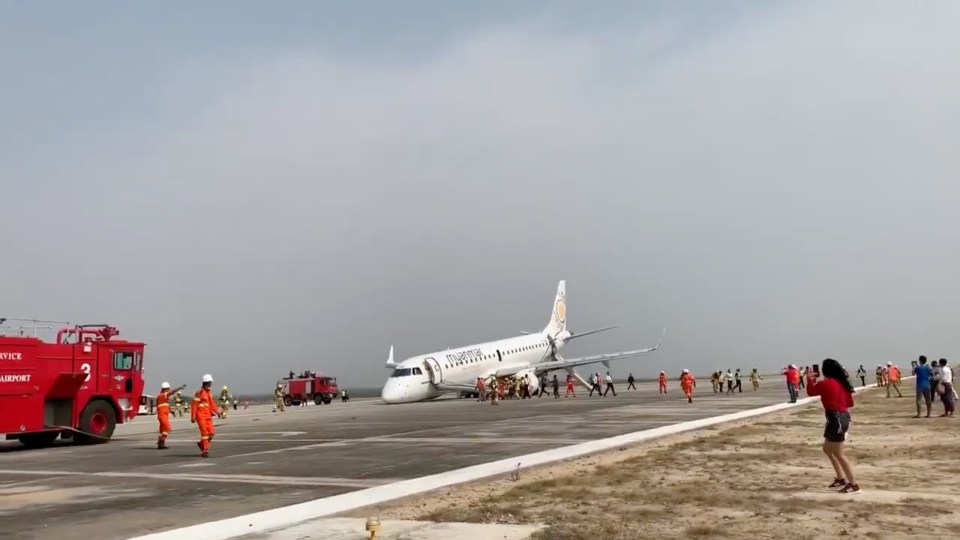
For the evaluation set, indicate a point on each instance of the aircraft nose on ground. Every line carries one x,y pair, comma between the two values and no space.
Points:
393,392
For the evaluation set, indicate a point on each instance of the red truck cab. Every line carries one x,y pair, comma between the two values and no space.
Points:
80,387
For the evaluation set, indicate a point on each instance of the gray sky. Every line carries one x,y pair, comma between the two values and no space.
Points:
250,190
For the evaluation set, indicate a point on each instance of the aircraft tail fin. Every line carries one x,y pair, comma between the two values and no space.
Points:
558,317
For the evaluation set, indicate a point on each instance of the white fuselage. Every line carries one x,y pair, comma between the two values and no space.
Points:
415,378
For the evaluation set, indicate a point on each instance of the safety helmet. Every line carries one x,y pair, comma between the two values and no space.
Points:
207,378
794,366
224,387
686,371
661,372
889,363
164,386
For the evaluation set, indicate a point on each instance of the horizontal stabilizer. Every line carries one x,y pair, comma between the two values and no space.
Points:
597,331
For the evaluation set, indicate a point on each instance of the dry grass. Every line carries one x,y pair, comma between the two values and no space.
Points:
744,480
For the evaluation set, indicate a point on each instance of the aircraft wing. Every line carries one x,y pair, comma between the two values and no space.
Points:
570,363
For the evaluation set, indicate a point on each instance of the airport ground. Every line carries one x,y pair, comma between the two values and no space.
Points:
764,478
260,460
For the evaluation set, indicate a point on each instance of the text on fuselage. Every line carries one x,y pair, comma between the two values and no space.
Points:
464,356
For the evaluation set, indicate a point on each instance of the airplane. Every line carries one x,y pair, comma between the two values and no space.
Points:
426,377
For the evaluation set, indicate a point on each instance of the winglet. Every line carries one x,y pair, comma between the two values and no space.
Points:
659,341
390,362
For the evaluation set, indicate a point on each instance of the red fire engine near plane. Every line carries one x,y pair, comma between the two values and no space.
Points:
309,386
78,388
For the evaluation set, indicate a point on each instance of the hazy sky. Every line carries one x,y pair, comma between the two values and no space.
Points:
251,188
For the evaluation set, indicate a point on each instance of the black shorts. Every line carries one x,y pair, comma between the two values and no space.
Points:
837,426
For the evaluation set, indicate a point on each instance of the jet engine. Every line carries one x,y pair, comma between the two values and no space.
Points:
531,378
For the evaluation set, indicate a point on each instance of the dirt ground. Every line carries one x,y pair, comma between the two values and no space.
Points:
762,479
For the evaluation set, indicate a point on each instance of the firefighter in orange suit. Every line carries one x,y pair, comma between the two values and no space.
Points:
202,409
687,384
663,383
163,414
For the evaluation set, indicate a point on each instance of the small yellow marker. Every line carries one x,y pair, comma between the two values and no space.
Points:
373,526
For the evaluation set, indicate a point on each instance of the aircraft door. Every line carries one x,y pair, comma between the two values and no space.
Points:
433,369
499,357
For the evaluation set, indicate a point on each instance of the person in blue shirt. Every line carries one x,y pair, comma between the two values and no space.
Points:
922,372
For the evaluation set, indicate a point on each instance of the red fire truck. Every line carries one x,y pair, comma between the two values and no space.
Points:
78,388
315,386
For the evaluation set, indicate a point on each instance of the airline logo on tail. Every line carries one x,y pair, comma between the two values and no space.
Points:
558,319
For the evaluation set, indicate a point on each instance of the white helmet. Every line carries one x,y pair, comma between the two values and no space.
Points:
164,386
794,366
889,363
686,371
208,378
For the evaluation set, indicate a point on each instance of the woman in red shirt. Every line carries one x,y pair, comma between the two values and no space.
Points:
836,395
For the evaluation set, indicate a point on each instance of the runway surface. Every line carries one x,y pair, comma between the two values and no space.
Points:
260,460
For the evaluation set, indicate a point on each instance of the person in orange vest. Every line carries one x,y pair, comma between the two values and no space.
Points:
687,384
793,381
163,413
893,379
663,383
202,409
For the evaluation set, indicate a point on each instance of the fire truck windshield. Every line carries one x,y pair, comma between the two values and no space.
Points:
122,361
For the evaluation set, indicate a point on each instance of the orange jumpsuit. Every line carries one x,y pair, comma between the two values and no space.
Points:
663,383
202,409
163,415
687,384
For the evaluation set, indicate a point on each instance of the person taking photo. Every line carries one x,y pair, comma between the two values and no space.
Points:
836,396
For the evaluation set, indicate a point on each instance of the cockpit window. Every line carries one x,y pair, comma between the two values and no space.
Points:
402,372
416,371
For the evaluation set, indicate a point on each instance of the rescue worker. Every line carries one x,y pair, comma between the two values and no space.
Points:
729,378
178,404
556,387
662,382
687,384
715,380
278,398
202,409
738,384
893,379
630,381
879,375
481,389
495,390
570,388
163,415
224,400
862,375
755,379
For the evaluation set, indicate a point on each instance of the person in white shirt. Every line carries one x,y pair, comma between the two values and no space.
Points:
609,381
946,388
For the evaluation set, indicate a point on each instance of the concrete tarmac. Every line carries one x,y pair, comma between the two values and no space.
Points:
261,460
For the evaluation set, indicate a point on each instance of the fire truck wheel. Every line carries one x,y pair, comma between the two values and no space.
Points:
97,423
327,401
288,401
38,440
318,398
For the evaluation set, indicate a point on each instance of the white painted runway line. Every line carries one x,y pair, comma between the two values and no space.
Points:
311,481
272,520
